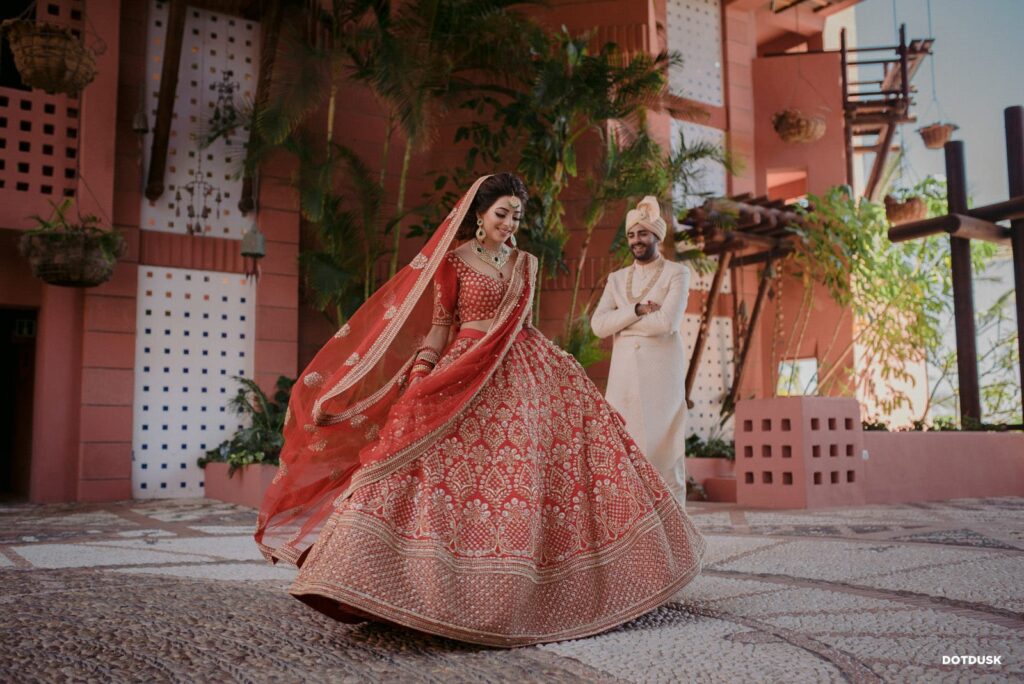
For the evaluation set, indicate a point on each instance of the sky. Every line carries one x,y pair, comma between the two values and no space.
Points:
979,71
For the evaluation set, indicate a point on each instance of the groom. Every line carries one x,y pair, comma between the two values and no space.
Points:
642,306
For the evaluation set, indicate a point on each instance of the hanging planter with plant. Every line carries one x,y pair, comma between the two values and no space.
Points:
904,208
71,254
793,126
937,134
49,57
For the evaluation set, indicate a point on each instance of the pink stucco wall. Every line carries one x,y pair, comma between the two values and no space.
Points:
929,466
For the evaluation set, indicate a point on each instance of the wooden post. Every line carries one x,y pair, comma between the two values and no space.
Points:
904,72
705,321
1013,118
165,102
847,126
268,51
748,338
875,178
963,288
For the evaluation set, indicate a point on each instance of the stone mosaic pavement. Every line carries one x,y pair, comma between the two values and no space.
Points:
165,591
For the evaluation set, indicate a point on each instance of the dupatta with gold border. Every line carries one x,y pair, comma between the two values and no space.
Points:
353,418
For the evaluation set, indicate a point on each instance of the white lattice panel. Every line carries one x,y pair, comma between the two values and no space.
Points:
220,53
195,332
702,281
709,177
695,32
714,376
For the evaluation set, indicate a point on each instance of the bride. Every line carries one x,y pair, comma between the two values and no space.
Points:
449,469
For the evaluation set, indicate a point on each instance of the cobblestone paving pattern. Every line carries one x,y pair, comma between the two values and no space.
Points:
175,591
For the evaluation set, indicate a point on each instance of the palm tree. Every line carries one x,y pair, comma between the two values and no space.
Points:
426,58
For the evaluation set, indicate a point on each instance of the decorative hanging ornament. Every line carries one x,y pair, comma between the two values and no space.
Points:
254,248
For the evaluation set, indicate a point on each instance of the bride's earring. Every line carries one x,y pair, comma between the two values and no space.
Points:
480,234
512,239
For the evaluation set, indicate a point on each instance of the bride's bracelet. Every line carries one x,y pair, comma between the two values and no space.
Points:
427,355
426,359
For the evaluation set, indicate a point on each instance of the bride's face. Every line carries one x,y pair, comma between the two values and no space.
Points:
502,219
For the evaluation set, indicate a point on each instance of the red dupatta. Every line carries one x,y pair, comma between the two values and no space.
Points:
349,422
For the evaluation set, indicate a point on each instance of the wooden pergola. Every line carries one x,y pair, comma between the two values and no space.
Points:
269,13
963,225
759,228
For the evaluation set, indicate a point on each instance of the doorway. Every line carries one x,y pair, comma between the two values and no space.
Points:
17,381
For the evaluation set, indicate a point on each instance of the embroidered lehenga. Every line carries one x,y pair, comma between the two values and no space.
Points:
499,500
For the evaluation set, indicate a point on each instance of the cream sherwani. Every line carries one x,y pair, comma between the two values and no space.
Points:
647,380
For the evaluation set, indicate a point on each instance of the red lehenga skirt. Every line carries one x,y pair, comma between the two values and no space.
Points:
532,518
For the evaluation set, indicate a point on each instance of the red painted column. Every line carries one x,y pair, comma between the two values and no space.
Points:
55,428
108,335
277,295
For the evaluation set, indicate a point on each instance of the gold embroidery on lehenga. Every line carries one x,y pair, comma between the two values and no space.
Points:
531,512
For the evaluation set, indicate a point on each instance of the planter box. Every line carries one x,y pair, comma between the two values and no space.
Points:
701,469
245,487
799,452
931,466
716,476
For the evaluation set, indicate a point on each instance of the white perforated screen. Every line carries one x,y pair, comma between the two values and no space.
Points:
195,332
714,376
710,177
219,65
695,31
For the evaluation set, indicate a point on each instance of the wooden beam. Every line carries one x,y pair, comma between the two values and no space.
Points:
1013,119
268,51
970,228
758,258
879,162
956,225
1010,210
963,289
165,101
705,321
748,337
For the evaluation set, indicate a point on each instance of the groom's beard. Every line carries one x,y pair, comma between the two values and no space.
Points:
642,252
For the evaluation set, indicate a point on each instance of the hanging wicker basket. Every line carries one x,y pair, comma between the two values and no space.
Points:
72,258
937,134
793,126
49,57
910,209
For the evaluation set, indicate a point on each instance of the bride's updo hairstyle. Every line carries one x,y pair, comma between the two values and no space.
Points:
490,191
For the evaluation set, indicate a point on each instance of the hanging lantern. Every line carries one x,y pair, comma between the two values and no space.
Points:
254,248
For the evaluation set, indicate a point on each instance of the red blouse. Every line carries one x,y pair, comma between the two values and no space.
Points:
462,294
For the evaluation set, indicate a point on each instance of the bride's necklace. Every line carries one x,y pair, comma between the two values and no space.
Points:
495,260
650,283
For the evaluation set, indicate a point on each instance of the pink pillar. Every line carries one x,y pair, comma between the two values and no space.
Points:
57,399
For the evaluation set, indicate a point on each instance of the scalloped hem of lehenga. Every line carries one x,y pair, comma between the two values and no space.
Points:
338,592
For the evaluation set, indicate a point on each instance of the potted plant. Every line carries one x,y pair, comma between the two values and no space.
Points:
937,134
793,126
254,450
71,254
904,205
49,57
